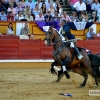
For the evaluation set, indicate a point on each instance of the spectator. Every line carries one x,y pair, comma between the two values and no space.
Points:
90,34
39,17
98,13
4,4
10,16
22,4
84,16
36,10
95,6
65,2
74,17
26,10
12,9
48,2
31,4
43,9
48,17
13,3
88,5
51,9
59,9
98,33
71,3
28,17
93,18
79,6
55,4
3,16
65,17
10,30
25,32
19,16
18,8
40,3
56,16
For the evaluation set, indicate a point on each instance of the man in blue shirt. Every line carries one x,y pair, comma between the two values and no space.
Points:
66,35
3,16
90,34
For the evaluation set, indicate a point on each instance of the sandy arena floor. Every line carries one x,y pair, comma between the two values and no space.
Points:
36,84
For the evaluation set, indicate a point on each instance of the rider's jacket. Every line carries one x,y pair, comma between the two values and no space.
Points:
65,31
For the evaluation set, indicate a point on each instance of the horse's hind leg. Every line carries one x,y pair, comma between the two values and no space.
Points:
85,75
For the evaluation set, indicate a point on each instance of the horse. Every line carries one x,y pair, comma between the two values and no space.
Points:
95,64
63,55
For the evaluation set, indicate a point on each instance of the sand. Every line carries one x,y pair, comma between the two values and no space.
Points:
37,84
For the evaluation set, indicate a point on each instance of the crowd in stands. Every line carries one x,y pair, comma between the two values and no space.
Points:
49,10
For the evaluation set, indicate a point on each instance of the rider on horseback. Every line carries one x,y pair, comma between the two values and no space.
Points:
65,34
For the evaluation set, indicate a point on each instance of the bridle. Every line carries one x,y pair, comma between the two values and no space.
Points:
50,38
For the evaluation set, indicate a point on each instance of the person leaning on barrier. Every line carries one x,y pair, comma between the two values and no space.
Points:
66,35
90,34
10,30
25,32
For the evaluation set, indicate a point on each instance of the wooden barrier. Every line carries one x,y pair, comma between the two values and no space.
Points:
11,47
37,32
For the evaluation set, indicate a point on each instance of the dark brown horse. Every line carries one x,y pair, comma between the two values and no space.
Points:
63,55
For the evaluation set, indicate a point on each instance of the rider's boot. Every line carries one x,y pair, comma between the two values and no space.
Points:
79,55
65,72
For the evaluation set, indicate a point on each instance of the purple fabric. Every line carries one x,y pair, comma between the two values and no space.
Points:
55,24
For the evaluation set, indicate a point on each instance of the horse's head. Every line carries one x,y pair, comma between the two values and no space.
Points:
49,36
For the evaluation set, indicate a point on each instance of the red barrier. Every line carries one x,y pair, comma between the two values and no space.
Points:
11,47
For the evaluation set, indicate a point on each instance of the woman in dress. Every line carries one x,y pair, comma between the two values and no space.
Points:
43,9
10,30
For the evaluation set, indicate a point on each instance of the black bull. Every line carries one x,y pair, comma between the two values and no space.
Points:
95,64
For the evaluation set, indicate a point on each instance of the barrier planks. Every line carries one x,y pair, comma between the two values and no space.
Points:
14,48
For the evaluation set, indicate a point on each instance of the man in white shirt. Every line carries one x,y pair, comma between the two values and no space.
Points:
48,2
79,6
39,17
3,16
40,3
31,4
95,6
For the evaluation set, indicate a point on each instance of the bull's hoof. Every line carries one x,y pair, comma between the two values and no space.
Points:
81,86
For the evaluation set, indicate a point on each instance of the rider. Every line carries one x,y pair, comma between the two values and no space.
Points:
64,32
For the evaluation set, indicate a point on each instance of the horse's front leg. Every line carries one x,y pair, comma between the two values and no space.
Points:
64,64
53,65
60,71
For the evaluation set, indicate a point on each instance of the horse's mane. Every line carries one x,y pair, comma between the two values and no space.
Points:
57,31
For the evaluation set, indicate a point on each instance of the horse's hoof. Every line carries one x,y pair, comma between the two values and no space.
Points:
81,86
56,81
67,75
95,85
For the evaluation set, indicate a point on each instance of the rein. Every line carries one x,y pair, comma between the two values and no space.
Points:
56,42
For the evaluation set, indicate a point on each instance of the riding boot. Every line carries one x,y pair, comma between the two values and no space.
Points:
78,53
